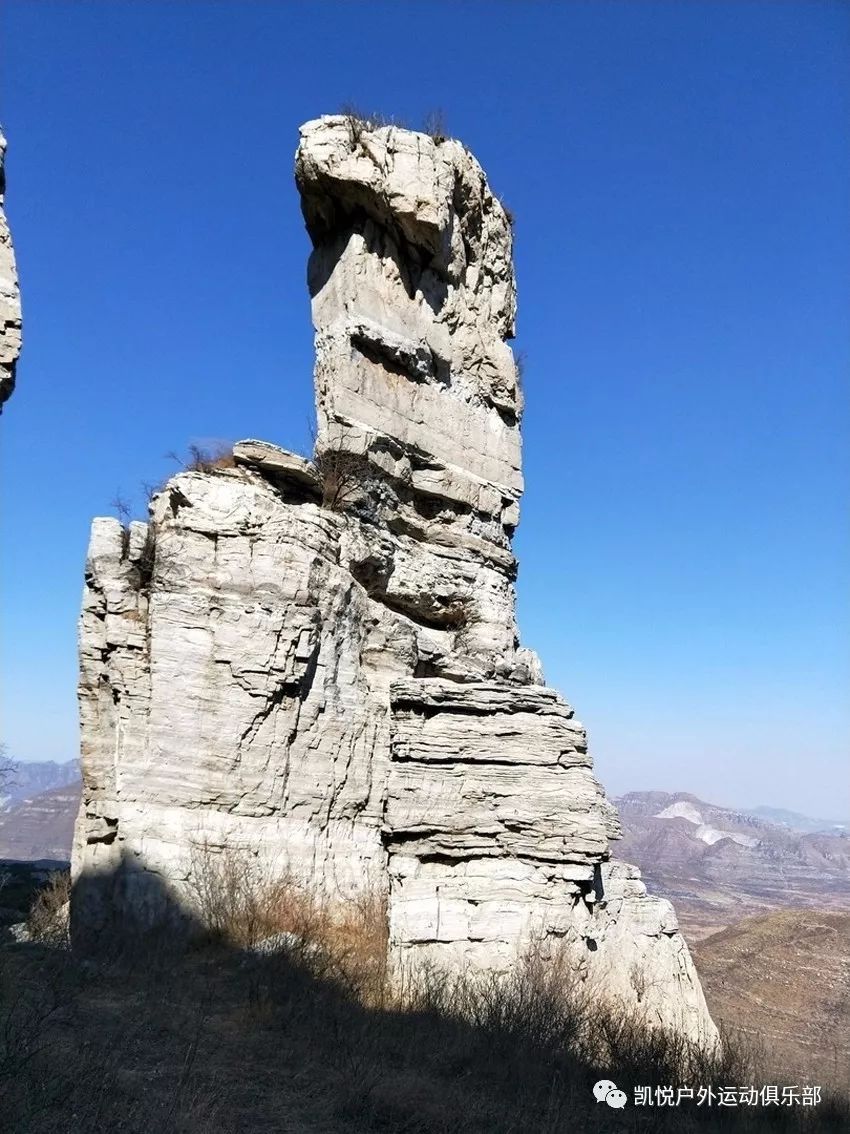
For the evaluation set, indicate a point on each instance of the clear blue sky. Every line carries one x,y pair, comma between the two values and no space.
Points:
680,177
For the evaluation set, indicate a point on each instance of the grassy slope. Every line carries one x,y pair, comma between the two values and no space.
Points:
785,976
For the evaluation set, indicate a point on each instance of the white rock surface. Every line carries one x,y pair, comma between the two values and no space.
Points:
10,296
706,833
331,681
681,809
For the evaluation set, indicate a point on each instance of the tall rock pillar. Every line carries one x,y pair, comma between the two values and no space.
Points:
317,663
10,296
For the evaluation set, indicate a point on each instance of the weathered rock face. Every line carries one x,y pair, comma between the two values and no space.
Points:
10,297
319,664
413,300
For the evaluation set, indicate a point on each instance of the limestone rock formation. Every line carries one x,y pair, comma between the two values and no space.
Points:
10,297
318,662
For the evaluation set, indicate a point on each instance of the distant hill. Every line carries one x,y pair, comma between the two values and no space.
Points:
798,822
25,780
41,827
720,865
785,977
37,811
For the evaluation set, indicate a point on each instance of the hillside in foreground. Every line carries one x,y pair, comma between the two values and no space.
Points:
300,1032
784,978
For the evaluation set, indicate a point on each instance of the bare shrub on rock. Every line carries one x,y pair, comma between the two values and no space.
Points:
343,477
49,915
243,905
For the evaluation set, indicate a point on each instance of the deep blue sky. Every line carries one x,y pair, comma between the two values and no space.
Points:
680,177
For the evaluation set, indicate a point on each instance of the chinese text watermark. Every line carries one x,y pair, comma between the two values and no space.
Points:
771,1095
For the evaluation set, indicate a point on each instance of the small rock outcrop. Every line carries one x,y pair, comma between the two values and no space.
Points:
10,296
318,662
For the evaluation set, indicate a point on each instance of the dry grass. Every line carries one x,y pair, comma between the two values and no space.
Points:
784,975
209,460
241,906
305,1035
360,122
196,459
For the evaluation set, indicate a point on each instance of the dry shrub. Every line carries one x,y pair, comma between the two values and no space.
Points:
200,459
243,906
359,122
543,1006
48,917
131,1048
354,941
230,899
343,477
208,460
66,1067
435,125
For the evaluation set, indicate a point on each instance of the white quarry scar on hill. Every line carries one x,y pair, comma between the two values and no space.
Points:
319,663
704,831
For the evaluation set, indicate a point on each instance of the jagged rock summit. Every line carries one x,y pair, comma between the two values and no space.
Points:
318,662
10,296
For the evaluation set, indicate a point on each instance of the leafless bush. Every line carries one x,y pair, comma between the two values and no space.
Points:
7,767
146,563
343,477
48,916
32,998
435,125
245,906
208,460
352,940
520,360
360,122
134,1049
230,899
509,215
122,509
541,1004
65,1066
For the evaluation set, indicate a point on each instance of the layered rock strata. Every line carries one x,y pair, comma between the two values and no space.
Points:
317,662
10,296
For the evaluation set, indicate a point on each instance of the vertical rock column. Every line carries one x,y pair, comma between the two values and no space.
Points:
318,664
413,300
10,296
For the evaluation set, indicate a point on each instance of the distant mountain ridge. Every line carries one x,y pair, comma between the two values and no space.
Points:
26,779
650,802
720,865
798,822
38,806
